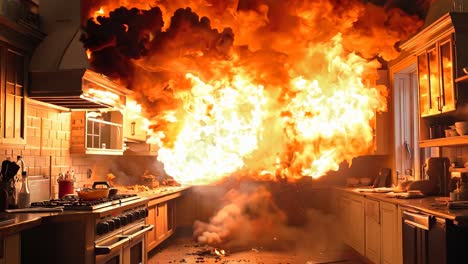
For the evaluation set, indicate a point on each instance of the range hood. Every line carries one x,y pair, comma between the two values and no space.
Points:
60,70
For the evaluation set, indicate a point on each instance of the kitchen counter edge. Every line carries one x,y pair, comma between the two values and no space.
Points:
429,204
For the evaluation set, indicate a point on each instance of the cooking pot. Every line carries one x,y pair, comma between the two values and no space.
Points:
89,194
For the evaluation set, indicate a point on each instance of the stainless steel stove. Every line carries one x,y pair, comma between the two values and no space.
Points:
109,230
72,203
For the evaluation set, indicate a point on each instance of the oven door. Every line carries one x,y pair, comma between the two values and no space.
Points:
110,250
134,252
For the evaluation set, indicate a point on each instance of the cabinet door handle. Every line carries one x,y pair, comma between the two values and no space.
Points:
132,128
439,103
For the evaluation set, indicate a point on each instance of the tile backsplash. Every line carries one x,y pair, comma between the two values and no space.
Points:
47,148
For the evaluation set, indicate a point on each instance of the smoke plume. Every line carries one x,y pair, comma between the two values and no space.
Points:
253,216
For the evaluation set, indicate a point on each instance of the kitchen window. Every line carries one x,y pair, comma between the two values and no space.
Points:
12,88
407,154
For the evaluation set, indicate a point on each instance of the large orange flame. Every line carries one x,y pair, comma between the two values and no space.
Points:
290,98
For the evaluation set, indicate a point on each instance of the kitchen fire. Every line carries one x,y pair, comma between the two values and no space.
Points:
234,131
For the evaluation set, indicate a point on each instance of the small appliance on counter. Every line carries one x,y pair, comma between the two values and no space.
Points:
437,171
384,179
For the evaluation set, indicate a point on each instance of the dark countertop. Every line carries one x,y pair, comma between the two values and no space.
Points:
16,222
22,221
434,205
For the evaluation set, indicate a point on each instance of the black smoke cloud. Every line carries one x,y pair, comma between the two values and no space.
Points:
128,35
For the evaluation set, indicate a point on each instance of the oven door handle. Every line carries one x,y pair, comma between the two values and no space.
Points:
104,250
144,229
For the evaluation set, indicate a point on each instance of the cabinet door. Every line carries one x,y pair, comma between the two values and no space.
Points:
423,78
429,89
343,216
161,221
373,237
151,235
389,231
448,92
356,213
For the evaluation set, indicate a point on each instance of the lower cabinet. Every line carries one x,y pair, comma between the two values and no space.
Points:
371,227
352,218
390,235
162,216
373,230
10,249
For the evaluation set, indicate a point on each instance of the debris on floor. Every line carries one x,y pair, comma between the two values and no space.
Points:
184,250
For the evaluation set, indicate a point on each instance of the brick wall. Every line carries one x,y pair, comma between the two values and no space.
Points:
47,148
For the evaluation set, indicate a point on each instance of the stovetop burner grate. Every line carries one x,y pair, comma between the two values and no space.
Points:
71,203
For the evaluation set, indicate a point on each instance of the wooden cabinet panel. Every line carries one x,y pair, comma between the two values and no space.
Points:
372,232
10,250
352,218
436,83
371,227
162,217
151,235
161,221
389,229
93,132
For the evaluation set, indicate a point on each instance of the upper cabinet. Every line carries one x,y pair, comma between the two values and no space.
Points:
441,55
97,132
19,36
435,74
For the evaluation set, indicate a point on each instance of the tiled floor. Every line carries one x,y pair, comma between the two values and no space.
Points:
182,249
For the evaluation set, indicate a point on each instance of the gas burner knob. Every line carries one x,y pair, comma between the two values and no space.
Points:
102,228
123,220
143,213
116,222
111,224
129,218
136,215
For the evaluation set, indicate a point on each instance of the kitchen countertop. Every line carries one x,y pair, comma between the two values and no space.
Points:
429,204
21,222
17,222
163,191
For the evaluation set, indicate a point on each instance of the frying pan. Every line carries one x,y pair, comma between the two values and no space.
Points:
89,194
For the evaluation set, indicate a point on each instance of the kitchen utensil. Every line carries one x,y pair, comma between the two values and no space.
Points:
89,194
65,187
94,193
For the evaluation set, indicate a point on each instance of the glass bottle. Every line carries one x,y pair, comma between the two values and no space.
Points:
24,196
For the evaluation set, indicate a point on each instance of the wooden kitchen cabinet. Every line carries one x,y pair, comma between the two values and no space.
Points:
389,233
162,217
10,247
352,218
372,232
94,132
371,227
435,75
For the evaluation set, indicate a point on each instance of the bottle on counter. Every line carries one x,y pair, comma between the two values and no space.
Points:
24,195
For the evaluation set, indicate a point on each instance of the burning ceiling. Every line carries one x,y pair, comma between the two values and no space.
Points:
278,88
